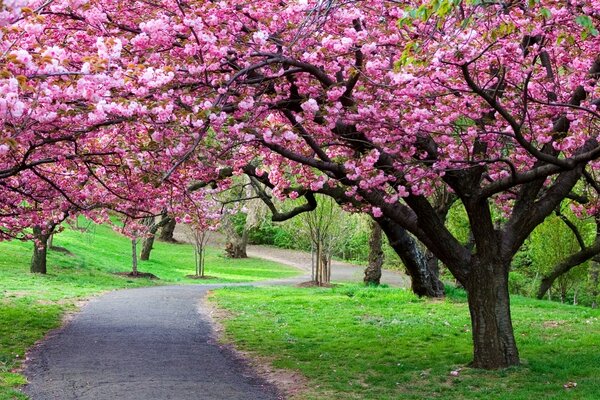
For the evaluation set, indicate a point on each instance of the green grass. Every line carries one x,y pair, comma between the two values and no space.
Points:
31,305
355,342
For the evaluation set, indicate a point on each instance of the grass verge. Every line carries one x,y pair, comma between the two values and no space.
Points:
31,305
356,342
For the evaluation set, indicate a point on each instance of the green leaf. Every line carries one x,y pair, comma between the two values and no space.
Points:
586,22
546,13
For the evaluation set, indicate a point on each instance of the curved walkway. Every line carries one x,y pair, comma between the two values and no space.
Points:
141,344
154,344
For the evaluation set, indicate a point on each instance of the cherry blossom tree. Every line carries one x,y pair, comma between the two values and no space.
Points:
380,104
390,101
80,133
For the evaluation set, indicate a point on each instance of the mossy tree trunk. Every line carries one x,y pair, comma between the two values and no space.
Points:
153,228
424,282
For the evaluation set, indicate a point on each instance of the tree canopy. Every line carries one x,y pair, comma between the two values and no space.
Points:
379,104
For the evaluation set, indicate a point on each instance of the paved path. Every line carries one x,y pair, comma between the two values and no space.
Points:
140,344
153,344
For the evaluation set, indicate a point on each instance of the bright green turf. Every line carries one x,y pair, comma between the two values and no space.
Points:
31,305
381,343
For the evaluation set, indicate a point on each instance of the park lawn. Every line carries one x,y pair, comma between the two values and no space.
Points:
31,305
355,342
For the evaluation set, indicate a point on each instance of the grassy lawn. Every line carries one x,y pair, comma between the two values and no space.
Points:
31,305
379,343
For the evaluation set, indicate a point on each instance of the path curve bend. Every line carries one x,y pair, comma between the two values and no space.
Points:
141,344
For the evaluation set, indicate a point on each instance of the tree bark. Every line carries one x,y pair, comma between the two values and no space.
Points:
147,248
235,246
489,305
40,251
166,233
433,263
134,260
373,270
424,282
148,241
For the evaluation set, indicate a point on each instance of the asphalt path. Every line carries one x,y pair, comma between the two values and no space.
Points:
155,344
141,344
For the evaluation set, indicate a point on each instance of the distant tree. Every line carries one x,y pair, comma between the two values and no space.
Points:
150,236
325,226
199,238
563,252
168,229
134,257
243,202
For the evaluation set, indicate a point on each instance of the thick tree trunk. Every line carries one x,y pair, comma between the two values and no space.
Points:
40,251
166,233
424,281
148,241
373,270
235,246
147,248
433,263
489,304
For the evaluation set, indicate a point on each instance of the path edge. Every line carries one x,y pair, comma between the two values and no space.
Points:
290,384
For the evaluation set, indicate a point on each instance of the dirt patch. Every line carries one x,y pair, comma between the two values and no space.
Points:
311,284
552,324
201,277
291,384
62,250
138,275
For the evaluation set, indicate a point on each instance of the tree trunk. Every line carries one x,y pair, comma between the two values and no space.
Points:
166,233
373,270
424,281
147,248
40,250
433,263
235,246
325,267
489,305
134,266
